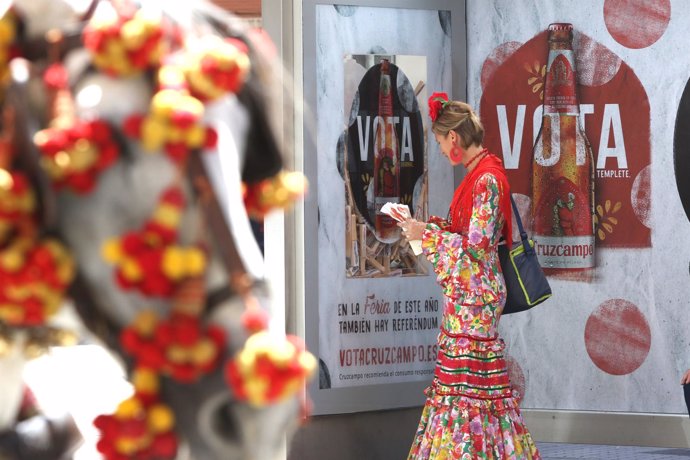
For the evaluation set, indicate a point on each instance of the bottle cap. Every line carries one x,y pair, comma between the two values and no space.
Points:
560,26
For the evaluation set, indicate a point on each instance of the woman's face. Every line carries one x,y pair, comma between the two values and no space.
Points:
446,143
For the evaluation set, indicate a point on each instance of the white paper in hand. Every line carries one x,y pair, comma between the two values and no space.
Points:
397,211
401,212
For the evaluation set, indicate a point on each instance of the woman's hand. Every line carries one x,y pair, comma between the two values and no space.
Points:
686,378
412,229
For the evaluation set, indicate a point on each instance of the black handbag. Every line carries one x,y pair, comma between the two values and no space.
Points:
526,283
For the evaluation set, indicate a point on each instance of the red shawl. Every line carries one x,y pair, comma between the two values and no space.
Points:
461,207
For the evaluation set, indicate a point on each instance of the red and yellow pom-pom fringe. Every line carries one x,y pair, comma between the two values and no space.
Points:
277,192
74,156
269,369
149,260
142,427
180,346
124,44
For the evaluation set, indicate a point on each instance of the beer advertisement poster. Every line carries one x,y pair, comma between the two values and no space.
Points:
378,303
587,105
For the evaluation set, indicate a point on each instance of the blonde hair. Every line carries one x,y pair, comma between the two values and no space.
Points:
459,117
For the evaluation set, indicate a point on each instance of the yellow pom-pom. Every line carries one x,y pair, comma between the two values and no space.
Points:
173,263
17,293
52,301
192,105
175,135
129,408
115,50
164,102
281,353
145,381
7,30
101,61
82,156
153,133
194,261
127,446
150,18
161,419
131,270
308,363
170,76
178,354
294,181
65,271
256,389
12,260
11,314
168,215
145,322
133,34
195,136
204,352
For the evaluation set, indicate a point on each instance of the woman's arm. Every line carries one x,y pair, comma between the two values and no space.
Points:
484,228
451,254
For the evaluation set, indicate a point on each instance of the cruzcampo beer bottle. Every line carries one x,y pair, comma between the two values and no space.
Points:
386,161
563,170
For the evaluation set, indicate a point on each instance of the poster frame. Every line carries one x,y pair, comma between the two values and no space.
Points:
366,397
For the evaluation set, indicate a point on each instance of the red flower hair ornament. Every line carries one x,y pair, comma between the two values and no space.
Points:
437,102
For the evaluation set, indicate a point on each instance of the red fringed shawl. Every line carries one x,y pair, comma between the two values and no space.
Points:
461,206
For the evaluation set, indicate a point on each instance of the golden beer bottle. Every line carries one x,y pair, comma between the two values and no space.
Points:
386,161
563,171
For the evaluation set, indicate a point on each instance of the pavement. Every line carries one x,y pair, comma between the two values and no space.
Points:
562,451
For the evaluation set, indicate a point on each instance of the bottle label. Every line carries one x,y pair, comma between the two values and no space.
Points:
560,96
565,252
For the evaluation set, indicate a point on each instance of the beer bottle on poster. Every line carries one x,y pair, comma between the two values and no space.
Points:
386,161
563,170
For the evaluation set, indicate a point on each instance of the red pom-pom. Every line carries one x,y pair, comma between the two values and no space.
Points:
55,77
100,131
132,243
108,154
186,329
177,151
174,196
164,446
53,141
132,125
183,119
234,380
164,335
151,356
211,139
184,373
255,320
130,340
82,182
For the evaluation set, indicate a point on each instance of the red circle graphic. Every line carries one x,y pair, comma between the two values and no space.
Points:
640,196
596,65
637,23
617,337
517,378
496,58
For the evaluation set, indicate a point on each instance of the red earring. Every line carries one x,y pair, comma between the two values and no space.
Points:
455,154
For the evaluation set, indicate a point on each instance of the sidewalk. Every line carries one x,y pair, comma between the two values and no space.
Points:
560,451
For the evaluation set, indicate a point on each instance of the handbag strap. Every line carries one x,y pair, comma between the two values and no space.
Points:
523,233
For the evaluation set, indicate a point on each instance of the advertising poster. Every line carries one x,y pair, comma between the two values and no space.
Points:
378,303
587,105
384,157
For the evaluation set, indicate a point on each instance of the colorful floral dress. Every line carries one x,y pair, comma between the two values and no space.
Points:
471,411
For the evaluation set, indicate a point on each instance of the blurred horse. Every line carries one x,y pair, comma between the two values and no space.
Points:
212,423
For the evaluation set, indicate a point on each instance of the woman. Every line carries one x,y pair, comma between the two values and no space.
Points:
471,411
